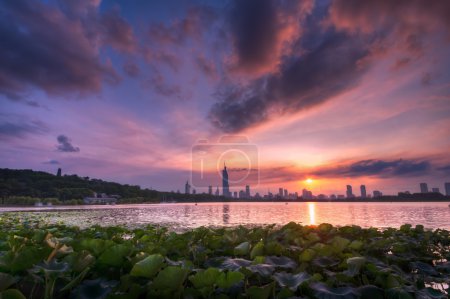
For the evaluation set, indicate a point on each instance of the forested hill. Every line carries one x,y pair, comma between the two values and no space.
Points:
38,184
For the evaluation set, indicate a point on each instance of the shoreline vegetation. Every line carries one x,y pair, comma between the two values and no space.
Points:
40,260
28,187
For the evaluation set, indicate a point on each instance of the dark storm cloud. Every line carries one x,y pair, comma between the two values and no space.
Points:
20,129
331,67
57,50
379,168
65,145
254,29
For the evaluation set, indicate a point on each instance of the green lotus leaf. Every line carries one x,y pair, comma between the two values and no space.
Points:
263,292
234,264
444,267
430,293
52,268
273,248
281,262
340,243
170,279
12,294
205,278
423,268
114,256
322,291
228,279
6,281
325,227
26,258
354,265
148,267
96,246
257,250
242,249
291,281
313,237
264,270
80,260
398,293
325,262
370,292
307,255
356,245
93,289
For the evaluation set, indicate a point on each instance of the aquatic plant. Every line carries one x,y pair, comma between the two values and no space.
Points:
41,260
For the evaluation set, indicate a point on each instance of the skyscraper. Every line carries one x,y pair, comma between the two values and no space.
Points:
286,195
423,188
435,190
59,172
280,192
247,191
225,185
187,188
217,191
349,191
447,189
363,191
377,193
210,190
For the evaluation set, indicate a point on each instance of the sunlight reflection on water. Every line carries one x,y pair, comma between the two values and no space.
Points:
189,215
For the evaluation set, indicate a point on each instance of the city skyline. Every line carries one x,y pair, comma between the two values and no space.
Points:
341,92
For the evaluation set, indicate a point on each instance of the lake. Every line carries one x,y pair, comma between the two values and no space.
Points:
189,215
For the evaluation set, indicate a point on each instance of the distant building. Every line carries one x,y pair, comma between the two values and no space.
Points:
225,184
377,193
217,191
257,195
280,192
435,190
341,196
363,191
423,188
349,191
307,195
210,190
241,194
333,196
286,195
187,188
322,196
235,194
101,199
194,191
59,172
447,189
247,191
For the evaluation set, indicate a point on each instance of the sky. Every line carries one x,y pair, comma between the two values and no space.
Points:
340,91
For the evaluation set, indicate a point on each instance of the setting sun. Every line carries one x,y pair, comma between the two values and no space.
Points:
309,181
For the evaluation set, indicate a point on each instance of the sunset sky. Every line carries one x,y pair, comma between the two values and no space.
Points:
342,92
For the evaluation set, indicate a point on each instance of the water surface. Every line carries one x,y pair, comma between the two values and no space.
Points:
189,215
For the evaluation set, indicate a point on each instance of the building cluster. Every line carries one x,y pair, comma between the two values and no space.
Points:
283,194
424,189
101,198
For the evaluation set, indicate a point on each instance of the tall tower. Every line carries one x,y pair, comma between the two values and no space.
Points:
210,190
247,191
349,191
225,185
423,188
447,189
59,172
187,188
363,191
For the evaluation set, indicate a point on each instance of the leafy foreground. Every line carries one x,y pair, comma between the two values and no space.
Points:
294,261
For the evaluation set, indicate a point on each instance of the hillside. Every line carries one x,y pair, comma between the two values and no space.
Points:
38,184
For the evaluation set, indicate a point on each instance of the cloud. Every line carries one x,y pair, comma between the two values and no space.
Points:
329,68
20,128
263,31
57,49
379,168
206,66
117,32
51,162
159,85
131,69
65,145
